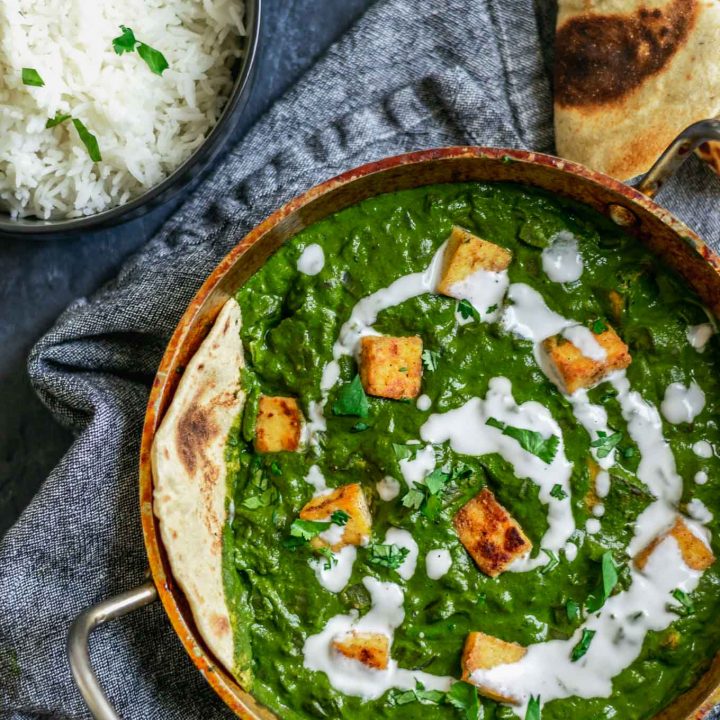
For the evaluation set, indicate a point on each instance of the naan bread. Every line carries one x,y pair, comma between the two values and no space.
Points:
188,459
630,75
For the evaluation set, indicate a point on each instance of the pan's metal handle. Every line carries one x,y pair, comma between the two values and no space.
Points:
677,153
77,645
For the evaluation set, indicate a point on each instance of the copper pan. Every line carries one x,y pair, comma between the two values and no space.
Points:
632,208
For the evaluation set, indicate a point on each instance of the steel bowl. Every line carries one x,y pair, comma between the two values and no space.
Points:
183,176
662,233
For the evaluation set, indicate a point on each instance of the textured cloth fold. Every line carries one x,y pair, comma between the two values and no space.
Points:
412,74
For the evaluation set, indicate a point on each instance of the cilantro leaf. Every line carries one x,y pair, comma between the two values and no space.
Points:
552,563
464,697
583,645
308,529
125,42
533,709
57,120
389,556
573,610
275,468
436,481
330,559
430,359
264,499
419,694
608,581
467,310
339,517
599,327
605,443
405,452
557,492
352,400
492,309
432,507
30,76
153,58
413,498
530,440
89,140
686,606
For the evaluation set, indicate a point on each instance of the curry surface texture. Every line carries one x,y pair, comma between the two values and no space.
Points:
291,321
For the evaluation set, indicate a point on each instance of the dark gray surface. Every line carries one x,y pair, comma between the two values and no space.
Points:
39,279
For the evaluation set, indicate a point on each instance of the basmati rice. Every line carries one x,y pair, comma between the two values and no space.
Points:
146,125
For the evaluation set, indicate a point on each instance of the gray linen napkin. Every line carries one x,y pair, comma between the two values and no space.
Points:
411,74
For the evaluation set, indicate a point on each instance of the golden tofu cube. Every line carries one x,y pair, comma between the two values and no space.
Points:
371,649
490,534
464,255
576,370
391,367
484,652
278,425
696,554
350,499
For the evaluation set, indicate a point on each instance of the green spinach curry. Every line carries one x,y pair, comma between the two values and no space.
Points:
576,474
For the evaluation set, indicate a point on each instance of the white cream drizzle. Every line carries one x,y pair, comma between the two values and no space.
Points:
311,260
437,563
467,431
620,626
317,480
703,449
561,260
416,469
403,539
484,290
701,477
584,340
351,677
388,488
334,575
423,403
682,404
698,335
698,511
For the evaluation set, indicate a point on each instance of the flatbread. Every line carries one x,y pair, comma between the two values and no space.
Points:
630,75
188,460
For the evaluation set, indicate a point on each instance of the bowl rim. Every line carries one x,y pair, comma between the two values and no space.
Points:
197,162
198,318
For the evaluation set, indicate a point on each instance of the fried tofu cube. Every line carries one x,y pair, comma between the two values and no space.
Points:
464,255
483,652
351,500
696,554
371,649
391,367
278,425
575,370
490,534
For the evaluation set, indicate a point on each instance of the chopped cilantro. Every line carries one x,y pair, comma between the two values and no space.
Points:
599,327
352,400
492,309
552,563
57,120
467,310
583,645
275,468
330,559
389,556
628,452
127,43
573,610
608,581
605,443
464,697
264,499
89,140
405,452
432,507
339,517
686,606
430,359
308,529
436,481
533,709
530,440
30,76
413,498
557,492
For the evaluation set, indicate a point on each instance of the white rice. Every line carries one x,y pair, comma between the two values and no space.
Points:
146,125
